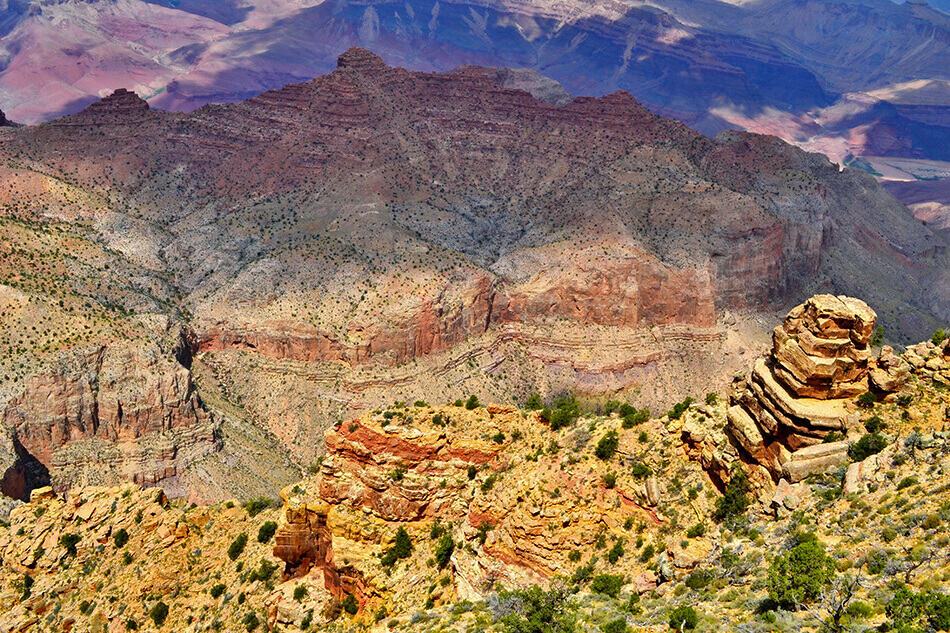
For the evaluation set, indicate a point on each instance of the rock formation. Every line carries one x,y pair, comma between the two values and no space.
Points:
122,411
803,391
454,471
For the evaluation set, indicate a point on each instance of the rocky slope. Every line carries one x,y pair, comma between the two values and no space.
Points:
380,233
426,518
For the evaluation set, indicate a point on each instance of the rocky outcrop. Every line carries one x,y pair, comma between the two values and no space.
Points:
802,392
121,411
456,473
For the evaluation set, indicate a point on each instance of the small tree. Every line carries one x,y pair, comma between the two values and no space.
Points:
237,546
608,584
607,445
736,500
159,613
472,402
266,532
444,549
120,538
683,618
69,542
799,576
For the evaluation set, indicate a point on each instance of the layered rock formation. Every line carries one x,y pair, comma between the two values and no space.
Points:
803,391
122,411
456,472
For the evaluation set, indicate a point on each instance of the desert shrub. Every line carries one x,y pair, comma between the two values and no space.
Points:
799,576
444,549
264,572
401,548
867,400
640,470
472,471
251,621
120,538
697,530
608,584
607,445
237,546
533,403
216,590
534,610
615,626
679,409
631,416
615,553
939,336
472,402
683,618
350,605
869,444
699,579
266,532
69,542
647,553
257,505
610,480
735,501
159,613
300,591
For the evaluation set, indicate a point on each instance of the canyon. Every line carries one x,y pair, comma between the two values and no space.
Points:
379,234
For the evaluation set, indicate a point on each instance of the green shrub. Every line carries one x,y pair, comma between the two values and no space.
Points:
939,336
444,549
159,613
608,584
120,538
907,482
697,530
264,572
877,338
266,532
472,402
251,621
683,618
533,403
615,553
640,470
735,501
350,605
258,505
615,626
679,409
300,591
216,590
867,400
799,576
607,445
237,546
873,424
712,398
699,579
534,610
869,444
69,542
647,553
610,480
472,471
634,417
401,548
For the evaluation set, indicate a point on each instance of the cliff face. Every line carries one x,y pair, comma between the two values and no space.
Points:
119,411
